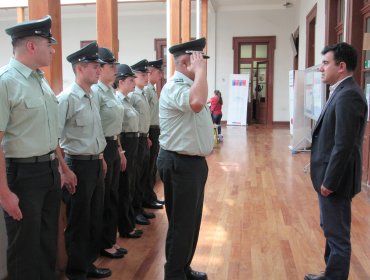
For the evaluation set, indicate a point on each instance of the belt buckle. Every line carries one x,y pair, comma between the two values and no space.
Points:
115,137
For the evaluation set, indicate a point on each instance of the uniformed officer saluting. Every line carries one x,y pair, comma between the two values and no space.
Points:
83,142
30,186
186,138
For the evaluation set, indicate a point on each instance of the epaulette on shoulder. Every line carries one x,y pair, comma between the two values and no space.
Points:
3,70
178,80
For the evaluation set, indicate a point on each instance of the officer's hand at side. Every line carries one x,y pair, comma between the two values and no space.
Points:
325,191
10,203
104,167
70,180
149,142
123,161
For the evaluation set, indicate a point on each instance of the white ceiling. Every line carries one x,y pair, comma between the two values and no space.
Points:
215,3
249,4
7,10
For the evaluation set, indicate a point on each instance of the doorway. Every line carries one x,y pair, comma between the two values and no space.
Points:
255,56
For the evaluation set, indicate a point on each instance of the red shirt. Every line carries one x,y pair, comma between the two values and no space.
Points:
216,108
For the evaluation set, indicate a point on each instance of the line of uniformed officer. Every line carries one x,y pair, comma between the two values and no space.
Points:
89,125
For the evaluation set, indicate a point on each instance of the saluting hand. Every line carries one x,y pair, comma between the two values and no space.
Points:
10,203
197,62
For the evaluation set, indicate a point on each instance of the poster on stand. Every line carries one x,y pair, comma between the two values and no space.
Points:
238,99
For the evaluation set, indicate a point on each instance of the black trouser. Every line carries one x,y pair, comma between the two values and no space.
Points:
111,182
84,216
184,178
217,120
126,221
32,241
150,195
142,174
335,220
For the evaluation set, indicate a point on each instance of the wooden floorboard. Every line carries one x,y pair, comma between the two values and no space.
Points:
260,219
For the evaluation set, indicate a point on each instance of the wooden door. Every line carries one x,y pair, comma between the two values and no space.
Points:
261,92
248,52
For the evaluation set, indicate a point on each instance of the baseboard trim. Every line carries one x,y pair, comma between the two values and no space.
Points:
280,124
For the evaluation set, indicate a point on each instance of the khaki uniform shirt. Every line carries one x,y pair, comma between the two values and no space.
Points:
28,112
131,116
140,103
182,130
111,110
79,122
152,97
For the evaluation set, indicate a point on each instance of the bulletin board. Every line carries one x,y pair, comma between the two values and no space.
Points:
314,93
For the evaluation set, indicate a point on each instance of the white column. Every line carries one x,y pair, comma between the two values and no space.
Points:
199,19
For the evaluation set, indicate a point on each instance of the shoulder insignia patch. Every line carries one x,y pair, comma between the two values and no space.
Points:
179,80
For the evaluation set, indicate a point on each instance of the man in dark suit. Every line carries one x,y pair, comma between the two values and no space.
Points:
336,157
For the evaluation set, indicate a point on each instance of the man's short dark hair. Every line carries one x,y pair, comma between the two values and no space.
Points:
343,52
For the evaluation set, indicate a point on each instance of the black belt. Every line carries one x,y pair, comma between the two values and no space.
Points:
144,135
181,155
154,126
44,158
115,137
130,134
85,157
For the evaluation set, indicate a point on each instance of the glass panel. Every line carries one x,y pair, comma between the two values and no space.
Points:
244,68
261,51
261,87
245,51
367,53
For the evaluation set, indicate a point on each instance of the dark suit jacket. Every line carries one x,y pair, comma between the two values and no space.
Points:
336,152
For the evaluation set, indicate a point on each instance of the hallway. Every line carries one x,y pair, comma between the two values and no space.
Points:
260,219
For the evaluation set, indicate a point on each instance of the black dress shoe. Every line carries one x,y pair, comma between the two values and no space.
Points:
196,275
148,215
321,276
116,255
99,273
141,220
123,250
132,235
160,201
152,205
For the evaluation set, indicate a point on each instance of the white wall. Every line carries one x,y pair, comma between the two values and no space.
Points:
280,23
140,24
305,6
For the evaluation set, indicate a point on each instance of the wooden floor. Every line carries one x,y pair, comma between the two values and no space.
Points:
261,218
